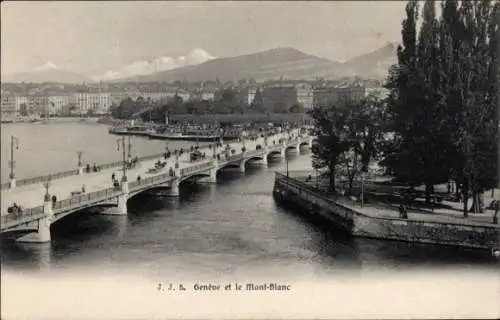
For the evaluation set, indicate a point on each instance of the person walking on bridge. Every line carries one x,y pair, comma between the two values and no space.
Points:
54,200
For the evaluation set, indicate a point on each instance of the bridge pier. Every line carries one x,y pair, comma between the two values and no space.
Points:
283,152
242,166
264,158
42,235
174,188
213,172
121,204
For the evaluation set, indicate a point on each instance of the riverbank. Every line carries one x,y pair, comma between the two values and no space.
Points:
441,227
51,120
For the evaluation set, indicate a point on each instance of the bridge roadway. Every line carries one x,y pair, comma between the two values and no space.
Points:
38,214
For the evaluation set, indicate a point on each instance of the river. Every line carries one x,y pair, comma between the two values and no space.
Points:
229,229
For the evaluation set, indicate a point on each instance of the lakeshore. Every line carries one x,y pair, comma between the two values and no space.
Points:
374,220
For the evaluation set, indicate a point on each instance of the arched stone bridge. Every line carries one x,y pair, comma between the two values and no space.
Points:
33,225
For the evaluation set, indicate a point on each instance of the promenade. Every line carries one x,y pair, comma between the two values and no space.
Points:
381,220
448,212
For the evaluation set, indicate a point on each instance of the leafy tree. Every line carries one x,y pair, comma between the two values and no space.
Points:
443,98
364,129
331,140
297,108
257,104
280,107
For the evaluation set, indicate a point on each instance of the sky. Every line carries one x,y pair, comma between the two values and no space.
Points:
107,39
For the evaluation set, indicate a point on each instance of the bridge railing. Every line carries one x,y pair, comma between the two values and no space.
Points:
41,179
150,180
254,153
25,214
69,173
84,198
235,157
201,166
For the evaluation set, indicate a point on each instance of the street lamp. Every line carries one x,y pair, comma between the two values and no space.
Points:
317,177
124,167
362,188
80,154
286,159
129,148
46,185
13,141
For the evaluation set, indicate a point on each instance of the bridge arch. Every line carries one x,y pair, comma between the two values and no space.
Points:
304,143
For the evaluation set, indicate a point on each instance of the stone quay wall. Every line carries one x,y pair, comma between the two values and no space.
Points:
302,197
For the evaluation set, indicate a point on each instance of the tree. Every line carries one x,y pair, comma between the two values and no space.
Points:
364,129
331,139
403,103
280,107
443,98
297,108
257,104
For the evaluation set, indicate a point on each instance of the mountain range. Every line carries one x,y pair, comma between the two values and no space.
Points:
48,72
285,62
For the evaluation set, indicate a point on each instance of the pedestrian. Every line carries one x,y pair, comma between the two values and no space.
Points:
113,177
83,189
54,200
496,206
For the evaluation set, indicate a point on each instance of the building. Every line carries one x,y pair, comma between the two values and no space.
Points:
94,102
251,94
184,95
36,105
57,104
207,95
9,107
380,93
327,96
305,95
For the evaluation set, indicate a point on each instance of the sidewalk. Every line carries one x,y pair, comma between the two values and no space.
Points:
453,214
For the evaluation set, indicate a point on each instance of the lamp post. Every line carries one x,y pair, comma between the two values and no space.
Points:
46,185
80,154
286,159
362,188
317,177
129,148
13,142
124,167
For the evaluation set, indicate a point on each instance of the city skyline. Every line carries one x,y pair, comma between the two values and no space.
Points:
121,36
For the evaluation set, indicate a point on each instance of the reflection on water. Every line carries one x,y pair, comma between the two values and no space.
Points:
230,228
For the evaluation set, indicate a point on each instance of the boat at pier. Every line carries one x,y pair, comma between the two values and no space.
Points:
133,130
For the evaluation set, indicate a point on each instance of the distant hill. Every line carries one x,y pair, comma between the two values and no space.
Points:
54,75
374,64
288,63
